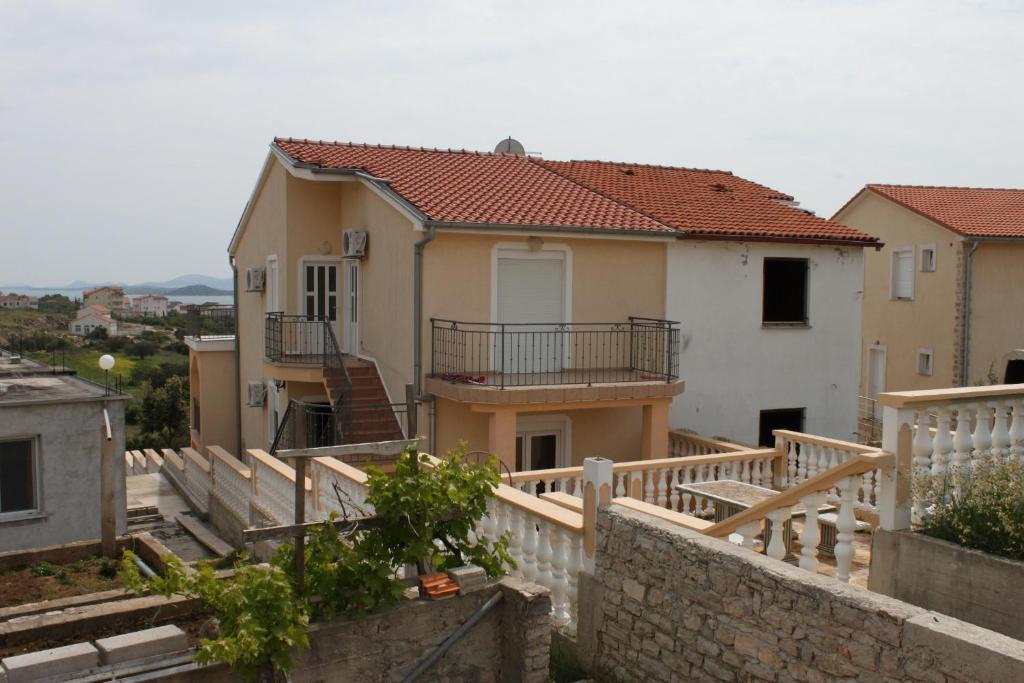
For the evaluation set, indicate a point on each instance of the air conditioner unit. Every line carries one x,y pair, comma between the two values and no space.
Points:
256,394
255,278
353,243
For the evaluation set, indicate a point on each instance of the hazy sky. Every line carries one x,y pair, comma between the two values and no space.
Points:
132,132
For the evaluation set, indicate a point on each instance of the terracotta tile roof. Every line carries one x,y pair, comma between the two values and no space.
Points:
475,187
705,202
969,211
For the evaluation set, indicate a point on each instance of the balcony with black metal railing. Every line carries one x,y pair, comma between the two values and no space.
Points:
521,356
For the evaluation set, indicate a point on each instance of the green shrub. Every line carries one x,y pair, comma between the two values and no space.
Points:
980,506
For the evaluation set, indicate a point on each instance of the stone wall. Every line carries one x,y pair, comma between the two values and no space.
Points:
963,583
668,604
509,645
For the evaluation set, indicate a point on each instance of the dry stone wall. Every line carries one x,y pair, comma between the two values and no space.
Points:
667,604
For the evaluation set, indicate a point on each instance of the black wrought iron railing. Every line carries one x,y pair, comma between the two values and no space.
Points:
210,321
532,354
307,425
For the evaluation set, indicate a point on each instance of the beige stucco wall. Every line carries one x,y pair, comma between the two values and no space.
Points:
264,235
212,381
997,308
903,327
612,433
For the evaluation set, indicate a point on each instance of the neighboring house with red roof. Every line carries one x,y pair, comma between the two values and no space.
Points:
529,304
944,299
14,300
111,298
150,305
90,317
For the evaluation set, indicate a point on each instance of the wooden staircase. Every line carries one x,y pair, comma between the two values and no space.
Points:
372,417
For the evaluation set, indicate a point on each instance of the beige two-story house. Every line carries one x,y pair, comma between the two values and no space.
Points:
944,299
532,308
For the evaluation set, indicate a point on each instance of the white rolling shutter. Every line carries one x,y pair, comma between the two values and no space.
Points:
530,291
903,275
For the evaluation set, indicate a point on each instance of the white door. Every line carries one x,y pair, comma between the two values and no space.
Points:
531,301
319,302
876,374
352,308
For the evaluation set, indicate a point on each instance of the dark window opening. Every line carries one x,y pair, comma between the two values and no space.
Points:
1014,372
785,291
17,476
786,418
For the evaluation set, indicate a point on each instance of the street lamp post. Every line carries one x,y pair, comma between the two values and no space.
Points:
106,363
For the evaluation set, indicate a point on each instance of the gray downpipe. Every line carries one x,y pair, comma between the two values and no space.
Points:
453,638
965,344
417,315
238,362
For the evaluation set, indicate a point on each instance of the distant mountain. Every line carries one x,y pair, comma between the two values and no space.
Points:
198,290
223,284
190,280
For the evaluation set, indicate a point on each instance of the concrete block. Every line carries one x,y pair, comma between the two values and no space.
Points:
58,661
468,577
141,644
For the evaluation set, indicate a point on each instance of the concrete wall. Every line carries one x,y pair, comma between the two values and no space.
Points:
967,584
510,644
997,308
668,604
903,327
69,452
734,368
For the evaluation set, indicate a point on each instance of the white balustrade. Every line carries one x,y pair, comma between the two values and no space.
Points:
232,485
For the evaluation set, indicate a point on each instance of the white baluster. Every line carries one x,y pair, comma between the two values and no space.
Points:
664,482
813,453
982,431
577,487
649,487
922,450
529,548
866,489
777,545
942,447
1017,431
673,496
687,479
544,554
620,485
846,524
515,543
559,577
1000,431
811,535
963,442
806,451
791,460
745,472
756,473
749,532
573,569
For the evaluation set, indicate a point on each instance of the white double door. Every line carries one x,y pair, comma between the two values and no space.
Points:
531,303
323,284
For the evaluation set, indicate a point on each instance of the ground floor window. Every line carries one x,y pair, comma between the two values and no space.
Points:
17,475
785,418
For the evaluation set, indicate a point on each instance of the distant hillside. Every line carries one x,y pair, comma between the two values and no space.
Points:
198,290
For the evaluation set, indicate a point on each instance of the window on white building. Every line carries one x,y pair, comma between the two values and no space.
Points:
785,292
924,361
17,476
927,259
903,274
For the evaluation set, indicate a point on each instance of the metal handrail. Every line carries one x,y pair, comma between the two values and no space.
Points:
531,354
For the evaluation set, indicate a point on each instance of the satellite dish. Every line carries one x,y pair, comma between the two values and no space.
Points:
510,146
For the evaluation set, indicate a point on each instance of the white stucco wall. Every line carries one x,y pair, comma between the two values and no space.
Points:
69,452
733,368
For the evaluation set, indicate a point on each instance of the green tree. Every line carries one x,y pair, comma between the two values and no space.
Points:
56,303
141,349
164,414
97,334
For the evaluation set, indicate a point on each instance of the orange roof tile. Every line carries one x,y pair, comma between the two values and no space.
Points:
702,202
968,211
457,186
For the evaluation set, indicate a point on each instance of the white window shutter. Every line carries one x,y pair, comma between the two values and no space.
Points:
903,275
